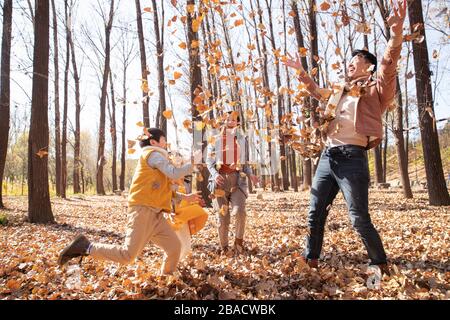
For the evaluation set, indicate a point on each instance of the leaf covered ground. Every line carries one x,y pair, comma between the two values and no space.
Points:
416,238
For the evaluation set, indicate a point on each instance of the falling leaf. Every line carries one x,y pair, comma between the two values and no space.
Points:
363,28
199,125
303,52
195,44
196,23
354,91
345,19
42,153
435,54
140,124
148,9
167,114
219,193
336,66
211,140
187,124
238,22
324,6
177,75
223,210
182,45
144,86
131,143
409,75
419,39
190,8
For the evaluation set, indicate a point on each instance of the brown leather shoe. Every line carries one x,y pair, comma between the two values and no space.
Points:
223,250
312,263
239,245
78,248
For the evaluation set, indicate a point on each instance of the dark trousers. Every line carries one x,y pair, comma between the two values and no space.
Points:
342,168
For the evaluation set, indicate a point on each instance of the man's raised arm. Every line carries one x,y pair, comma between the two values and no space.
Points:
304,77
388,70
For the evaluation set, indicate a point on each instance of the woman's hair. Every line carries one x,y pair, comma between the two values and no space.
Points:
155,134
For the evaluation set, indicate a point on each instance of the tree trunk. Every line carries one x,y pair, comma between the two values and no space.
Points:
290,151
159,37
39,206
144,72
363,20
195,79
124,114
385,148
57,113
211,76
259,119
82,179
101,136
407,107
307,169
377,154
76,151
5,83
378,164
282,148
113,131
235,83
400,145
314,53
437,189
274,181
65,106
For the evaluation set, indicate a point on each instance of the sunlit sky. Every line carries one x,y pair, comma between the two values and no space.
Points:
88,23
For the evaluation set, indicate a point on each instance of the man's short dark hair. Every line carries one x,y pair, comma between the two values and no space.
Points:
155,134
370,58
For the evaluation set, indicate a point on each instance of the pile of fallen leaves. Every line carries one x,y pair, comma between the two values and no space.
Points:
415,235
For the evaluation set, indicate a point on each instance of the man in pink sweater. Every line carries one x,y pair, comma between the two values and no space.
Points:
356,108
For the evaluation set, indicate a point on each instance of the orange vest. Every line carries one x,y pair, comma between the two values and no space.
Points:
150,187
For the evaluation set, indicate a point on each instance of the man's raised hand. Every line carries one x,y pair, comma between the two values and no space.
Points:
395,21
294,63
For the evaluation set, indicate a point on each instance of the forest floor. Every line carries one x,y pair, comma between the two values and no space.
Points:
416,238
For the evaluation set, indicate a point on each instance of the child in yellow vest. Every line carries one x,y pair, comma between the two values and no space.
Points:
149,198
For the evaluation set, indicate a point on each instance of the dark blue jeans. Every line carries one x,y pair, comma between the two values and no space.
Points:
344,168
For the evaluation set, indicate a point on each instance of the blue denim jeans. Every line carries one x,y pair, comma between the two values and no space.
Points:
342,168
